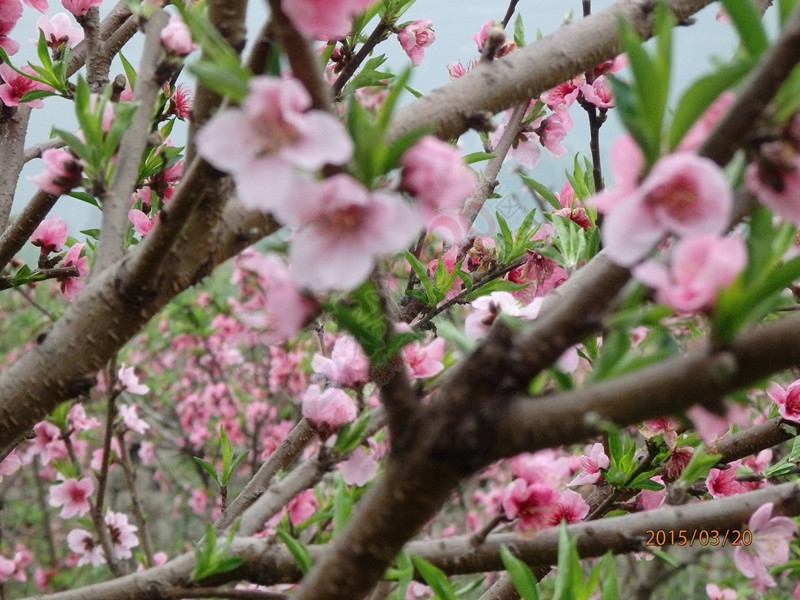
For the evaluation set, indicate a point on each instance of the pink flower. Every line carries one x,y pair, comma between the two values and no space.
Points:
131,419
710,427
10,12
488,308
715,593
322,19
58,31
359,469
776,184
122,534
533,504
722,482
176,37
435,173
599,93
415,37
483,34
770,547
424,361
73,496
129,382
302,507
652,499
347,366
347,228
78,419
10,464
142,224
563,95
699,132
627,164
79,7
328,409
70,286
285,310
699,268
82,543
16,85
181,102
50,235
262,143
788,400
570,507
591,465
62,171
197,501
684,194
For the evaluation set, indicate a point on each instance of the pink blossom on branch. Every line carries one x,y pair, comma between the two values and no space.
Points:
699,268
270,141
591,464
347,228
775,180
73,496
176,37
770,547
328,409
347,365
16,85
415,37
50,235
129,382
323,19
359,469
10,12
788,400
684,194
62,172
70,286
80,7
59,31
82,543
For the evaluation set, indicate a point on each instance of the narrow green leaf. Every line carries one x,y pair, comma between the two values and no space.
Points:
208,468
542,190
298,551
520,574
422,273
519,31
746,18
435,578
700,96
568,578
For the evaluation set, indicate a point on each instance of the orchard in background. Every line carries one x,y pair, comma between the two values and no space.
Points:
300,358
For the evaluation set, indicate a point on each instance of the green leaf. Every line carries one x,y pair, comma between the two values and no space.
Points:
700,95
609,587
220,79
298,551
699,466
435,578
350,435
519,31
520,574
422,274
208,468
496,285
35,95
342,506
130,70
542,190
369,75
506,240
568,578
746,18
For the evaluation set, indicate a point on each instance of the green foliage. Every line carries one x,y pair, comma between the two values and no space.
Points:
699,466
788,464
574,244
210,555
229,461
369,75
520,574
519,31
758,290
435,578
746,18
623,463
642,103
373,155
570,584
512,246
542,190
297,549
220,69
51,73
350,435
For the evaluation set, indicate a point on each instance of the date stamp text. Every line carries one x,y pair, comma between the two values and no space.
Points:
702,537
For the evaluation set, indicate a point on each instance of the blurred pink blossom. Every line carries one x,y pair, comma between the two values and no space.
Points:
131,419
16,85
776,184
570,508
486,309
328,409
770,547
122,534
10,464
130,382
716,593
347,228
322,19
176,37
62,171
359,469
684,194
347,365
82,543
302,507
264,142
50,235
415,37
79,7
722,482
10,12
424,361
532,504
699,268
59,31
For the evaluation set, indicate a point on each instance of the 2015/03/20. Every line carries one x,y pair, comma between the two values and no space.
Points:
704,537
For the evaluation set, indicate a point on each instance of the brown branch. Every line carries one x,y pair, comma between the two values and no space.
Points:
116,200
42,275
15,236
13,126
380,33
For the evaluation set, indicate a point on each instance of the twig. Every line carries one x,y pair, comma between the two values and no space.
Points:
7,282
380,33
116,200
15,236
13,126
216,592
136,502
512,5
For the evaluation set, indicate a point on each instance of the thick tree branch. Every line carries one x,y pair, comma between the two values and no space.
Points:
499,84
18,232
13,125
